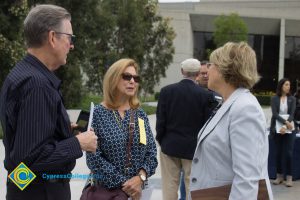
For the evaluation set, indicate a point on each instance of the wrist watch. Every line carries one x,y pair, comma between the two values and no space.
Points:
143,177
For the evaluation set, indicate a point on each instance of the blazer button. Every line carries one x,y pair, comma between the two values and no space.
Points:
194,180
196,160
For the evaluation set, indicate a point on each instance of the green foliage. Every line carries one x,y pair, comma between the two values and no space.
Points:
150,110
106,31
264,100
156,96
147,98
131,29
229,28
12,14
86,102
264,97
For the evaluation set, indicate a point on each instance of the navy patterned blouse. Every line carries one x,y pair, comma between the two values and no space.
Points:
110,158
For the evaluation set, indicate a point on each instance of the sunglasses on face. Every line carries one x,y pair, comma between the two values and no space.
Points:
128,77
71,37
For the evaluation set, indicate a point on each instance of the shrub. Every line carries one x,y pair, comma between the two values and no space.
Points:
264,100
86,102
150,110
147,98
156,95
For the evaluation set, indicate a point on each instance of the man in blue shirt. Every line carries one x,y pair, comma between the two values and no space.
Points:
37,129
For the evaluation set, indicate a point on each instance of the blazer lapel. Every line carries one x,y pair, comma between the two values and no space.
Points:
207,128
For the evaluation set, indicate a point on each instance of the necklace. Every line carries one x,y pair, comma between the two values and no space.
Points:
117,119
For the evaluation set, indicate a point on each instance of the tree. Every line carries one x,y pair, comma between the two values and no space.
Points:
229,28
11,40
107,30
135,31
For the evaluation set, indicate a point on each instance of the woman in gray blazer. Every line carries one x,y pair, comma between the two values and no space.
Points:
233,146
283,104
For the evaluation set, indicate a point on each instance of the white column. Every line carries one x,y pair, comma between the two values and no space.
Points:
281,50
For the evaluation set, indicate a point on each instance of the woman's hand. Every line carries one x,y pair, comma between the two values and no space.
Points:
133,187
289,125
282,130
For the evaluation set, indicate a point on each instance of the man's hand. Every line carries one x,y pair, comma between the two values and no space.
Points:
88,141
73,125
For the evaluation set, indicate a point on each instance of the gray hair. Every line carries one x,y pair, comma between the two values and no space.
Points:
40,20
191,74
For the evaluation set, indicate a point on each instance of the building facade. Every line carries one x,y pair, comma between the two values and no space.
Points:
273,32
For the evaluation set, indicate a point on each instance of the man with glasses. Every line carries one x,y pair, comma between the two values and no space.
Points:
37,129
202,78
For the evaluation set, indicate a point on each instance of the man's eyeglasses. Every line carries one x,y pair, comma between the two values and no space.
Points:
203,73
128,77
71,37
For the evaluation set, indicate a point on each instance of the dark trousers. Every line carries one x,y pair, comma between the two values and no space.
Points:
39,191
284,152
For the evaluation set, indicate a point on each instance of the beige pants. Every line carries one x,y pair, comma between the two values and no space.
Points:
170,175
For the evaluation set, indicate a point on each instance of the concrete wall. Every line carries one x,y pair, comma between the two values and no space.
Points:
183,45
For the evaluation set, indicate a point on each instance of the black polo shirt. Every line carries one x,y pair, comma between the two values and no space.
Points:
34,120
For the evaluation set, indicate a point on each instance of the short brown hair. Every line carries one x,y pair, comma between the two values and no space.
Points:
111,80
237,64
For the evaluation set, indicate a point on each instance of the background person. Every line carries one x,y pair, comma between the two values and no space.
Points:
283,103
202,78
182,110
36,126
232,146
111,123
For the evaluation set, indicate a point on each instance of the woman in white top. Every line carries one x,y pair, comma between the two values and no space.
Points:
283,108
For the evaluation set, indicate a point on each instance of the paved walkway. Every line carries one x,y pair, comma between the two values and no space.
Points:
280,192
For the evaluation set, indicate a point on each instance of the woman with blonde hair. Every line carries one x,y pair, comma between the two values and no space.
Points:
232,146
126,154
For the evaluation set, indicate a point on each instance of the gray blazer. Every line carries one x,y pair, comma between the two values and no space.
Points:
233,148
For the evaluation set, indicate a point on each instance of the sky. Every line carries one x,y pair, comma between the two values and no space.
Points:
163,1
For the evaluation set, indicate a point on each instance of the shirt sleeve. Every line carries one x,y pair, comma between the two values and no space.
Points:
36,141
150,161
